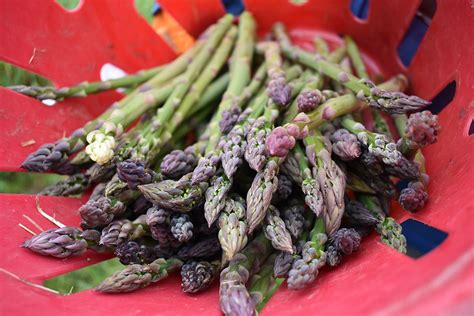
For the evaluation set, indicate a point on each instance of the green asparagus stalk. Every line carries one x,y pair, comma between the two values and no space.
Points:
175,110
337,106
356,58
87,88
321,46
239,79
365,90
54,157
263,284
148,144
278,89
380,125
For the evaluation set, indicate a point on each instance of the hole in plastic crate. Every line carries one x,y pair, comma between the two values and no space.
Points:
83,279
416,32
471,128
360,8
402,184
11,75
443,98
421,238
69,5
26,182
234,7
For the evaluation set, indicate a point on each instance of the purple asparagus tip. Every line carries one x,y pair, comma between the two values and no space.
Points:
229,118
237,302
423,128
346,240
134,173
61,242
279,91
308,100
413,197
178,163
280,142
100,212
345,145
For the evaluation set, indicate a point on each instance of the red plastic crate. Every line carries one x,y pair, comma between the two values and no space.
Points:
69,47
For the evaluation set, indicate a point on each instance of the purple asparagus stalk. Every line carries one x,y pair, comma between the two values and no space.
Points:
60,242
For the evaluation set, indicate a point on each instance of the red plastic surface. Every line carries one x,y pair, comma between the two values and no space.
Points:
71,47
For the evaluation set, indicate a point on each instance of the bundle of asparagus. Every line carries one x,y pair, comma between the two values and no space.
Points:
282,177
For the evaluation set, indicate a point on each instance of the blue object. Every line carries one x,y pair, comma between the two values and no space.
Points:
360,8
235,7
443,98
421,238
402,184
156,8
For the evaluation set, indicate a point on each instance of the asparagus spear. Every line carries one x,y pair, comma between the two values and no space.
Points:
204,69
60,242
278,89
321,46
54,157
239,78
233,146
344,242
232,227
389,230
73,185
256,150
377,144
275,230
304,270
86,88
392,102
418,131
137,276
310,184
293,215
260,193
198,275
345,145
234,297
332,181
263,284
